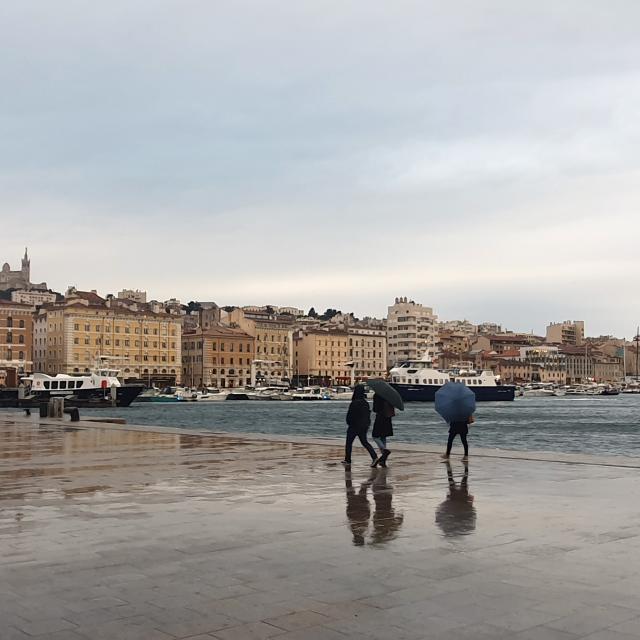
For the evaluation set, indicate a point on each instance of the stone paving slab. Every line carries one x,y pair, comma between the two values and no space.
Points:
136,533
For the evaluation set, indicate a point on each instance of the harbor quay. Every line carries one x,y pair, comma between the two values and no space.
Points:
119,532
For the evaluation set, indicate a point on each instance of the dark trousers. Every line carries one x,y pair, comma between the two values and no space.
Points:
463,437
352,434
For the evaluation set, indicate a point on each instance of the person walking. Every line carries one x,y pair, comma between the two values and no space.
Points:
382,428
358,421
459,428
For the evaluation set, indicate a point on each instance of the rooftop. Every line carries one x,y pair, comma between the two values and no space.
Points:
157,534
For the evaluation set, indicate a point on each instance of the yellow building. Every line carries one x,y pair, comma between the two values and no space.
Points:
71,336
568,332
321,356
367,352
217,357
273,342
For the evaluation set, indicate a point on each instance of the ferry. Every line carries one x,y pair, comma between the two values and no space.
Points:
99,388
418,381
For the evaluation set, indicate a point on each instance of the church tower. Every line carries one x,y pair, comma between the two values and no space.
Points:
26,267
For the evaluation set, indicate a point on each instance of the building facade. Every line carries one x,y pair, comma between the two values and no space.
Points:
16,337
33,297
218,357
321,356
71,337
367,351
568,332
411,331
273,335
133,294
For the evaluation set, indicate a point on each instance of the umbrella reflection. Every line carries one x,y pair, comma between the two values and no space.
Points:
385,524
456,516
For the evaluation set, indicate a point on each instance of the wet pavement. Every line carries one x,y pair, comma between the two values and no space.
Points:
112,533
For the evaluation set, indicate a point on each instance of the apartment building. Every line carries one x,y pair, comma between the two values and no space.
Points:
367,351
218,357
321,356
569,332
273,335
71,336
411,331
16,337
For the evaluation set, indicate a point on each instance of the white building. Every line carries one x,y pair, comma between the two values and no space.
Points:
411,331
137,295
32,297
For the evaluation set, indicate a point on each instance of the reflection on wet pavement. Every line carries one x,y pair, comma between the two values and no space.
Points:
456,516
114,533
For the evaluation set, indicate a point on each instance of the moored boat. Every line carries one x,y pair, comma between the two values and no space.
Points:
101,387
418,381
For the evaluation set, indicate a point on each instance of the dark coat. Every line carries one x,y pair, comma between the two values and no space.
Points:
382,426
460,427
359,414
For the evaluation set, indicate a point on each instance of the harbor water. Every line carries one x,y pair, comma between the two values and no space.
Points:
597,425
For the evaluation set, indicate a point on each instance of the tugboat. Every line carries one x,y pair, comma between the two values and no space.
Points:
418,381
94,390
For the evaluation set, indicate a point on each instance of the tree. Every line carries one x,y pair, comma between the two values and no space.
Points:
312,313
329,313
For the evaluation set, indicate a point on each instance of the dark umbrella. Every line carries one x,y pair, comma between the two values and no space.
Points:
387,392
455,401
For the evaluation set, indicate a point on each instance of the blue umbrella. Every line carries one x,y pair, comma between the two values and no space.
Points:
455,401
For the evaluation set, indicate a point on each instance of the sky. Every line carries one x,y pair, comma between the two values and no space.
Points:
478,156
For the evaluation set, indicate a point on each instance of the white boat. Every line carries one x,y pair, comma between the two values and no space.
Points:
100,387
311,394
418,380
539,390
341,393
212,395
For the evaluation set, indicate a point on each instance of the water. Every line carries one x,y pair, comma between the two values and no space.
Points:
590,425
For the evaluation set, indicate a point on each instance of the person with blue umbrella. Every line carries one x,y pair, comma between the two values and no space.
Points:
456,403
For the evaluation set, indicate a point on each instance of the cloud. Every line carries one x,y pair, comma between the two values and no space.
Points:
480,157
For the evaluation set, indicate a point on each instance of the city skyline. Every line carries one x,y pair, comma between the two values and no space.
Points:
480,159
144,295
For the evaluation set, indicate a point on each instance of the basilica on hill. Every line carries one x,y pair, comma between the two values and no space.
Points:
19,279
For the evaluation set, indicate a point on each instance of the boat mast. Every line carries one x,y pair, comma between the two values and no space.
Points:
637,341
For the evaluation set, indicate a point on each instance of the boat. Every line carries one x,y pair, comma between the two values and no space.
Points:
311,394
101,387
212,394
158,395
539,390
341,393
418,381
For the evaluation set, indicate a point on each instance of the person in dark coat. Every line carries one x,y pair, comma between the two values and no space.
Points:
382,428
460,428
358,421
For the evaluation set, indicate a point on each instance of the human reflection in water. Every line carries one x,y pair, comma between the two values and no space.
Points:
456,516
385,522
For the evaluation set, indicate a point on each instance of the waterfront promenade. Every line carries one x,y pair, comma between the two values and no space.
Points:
123,533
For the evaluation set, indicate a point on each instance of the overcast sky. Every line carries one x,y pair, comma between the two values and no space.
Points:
480,157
